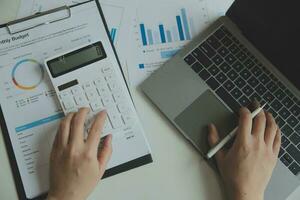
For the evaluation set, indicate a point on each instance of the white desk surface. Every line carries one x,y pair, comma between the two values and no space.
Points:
177,172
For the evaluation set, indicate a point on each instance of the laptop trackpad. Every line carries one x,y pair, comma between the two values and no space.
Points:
206,109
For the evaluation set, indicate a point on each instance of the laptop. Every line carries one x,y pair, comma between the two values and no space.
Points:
252,53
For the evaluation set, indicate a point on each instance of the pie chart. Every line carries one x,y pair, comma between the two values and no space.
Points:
27,74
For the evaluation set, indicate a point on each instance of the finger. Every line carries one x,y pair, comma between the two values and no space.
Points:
105,154
213,139
259,126
271,130
64,130
277,142
77,127
254,105
245,125
55,142
95,132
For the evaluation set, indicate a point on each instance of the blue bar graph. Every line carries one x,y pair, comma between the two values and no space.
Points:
143,33
113,34
185,24
162,33
150,36
169,36
181,29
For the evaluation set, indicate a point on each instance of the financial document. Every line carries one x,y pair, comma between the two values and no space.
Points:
145,33
28,101
119,15
155,38
116,12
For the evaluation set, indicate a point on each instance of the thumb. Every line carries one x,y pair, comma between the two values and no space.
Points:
213,139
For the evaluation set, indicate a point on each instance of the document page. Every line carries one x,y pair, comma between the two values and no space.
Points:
155,38
28,101
119,15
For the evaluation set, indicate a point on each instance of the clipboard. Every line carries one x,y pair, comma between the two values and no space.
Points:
32,22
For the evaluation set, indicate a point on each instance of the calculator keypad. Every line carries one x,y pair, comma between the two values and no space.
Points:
102,93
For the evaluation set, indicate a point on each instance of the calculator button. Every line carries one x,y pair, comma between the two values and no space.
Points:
110,78
88,86
116,121
65,95
103,90
91,94
128,119
68,104
113,86
107,100
123,108
96,106
115,117
99,82
76,90
80,100
118,97
107,70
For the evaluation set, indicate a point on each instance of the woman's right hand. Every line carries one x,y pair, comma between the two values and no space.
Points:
246,168
77,165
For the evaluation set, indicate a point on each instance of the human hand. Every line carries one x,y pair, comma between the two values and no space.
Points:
76,166
246,168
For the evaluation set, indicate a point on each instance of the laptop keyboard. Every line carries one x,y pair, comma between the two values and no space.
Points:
239,78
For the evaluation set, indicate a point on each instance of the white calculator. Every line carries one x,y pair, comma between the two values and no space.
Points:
85,77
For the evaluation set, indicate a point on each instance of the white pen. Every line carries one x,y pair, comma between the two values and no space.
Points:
226,139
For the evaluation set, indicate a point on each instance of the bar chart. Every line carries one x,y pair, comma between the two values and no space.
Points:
182,30
160,29
116,14
113,33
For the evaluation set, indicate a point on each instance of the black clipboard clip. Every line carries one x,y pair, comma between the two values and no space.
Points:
39,19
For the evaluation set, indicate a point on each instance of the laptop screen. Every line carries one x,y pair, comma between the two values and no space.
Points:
273,26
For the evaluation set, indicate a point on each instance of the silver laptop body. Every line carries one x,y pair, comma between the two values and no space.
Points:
190,104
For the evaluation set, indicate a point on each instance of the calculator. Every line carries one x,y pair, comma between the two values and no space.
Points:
85,77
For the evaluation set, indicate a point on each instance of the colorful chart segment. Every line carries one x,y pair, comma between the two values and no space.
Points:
22,86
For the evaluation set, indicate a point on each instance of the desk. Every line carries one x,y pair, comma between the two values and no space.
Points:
177,173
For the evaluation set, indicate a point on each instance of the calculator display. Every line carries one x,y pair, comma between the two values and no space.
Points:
76,59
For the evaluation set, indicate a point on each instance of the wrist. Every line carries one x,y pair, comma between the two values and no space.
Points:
62,197
49,197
